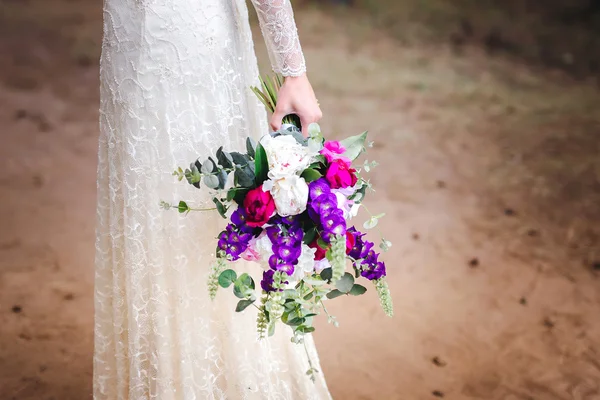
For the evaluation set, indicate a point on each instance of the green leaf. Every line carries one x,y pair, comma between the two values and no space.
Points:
231,194
334,293
244,177
344,284
220,207
239,159
222,176
309,296
261,164
182,207
314,130
227,277
212,181
311,175
243,304
326,274
251,147
370,223
357,290
354,145
243,286
295,321
224,158
310,235
305,329
272,328
322,244
208,167
240,195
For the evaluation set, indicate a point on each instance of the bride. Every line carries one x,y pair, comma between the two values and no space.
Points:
175,77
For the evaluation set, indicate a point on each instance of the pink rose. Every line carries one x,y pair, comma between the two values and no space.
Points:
340,174
259,207
333,150
250,254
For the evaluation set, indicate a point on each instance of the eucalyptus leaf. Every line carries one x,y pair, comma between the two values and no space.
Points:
212,181
244,177
370,223
243,286
224,158
272,328
227,277
208,167
243,304
250,147
344,284
222,177
238,158
305,329
314,130
220,207
326,274
357,290
295,321
354,145
182,207
334,293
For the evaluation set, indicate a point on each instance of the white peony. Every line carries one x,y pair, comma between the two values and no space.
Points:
285,155
290,194
306,263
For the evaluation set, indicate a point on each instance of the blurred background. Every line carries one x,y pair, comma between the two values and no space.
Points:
486,121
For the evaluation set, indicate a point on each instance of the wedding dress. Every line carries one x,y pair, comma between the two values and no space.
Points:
175,77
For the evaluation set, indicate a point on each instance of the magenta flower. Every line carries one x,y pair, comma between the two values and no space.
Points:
333,150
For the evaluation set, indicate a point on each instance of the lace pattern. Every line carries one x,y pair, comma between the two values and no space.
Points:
281,36
174,85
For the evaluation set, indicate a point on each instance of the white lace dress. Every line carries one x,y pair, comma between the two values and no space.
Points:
175,77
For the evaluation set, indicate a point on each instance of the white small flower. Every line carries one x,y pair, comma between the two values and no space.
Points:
229,183
306,263
321,265
286,156
290,195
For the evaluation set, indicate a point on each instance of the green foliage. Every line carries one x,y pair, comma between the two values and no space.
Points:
250,147
337,257
183,207
243,286
385,298
213,278
243,304
220,207
357,290
344,284
226,278
334,293
261,164
354,145
311,175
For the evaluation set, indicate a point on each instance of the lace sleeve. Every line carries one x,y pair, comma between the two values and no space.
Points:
278,27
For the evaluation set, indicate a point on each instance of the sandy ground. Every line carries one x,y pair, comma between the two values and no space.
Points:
489,176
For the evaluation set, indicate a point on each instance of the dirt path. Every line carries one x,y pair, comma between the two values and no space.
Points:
488,175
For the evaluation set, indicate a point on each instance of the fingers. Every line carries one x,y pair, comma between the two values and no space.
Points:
308,118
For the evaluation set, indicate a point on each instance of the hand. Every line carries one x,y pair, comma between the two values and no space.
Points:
296,96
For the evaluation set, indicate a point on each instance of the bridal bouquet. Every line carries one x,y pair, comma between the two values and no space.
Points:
289,201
